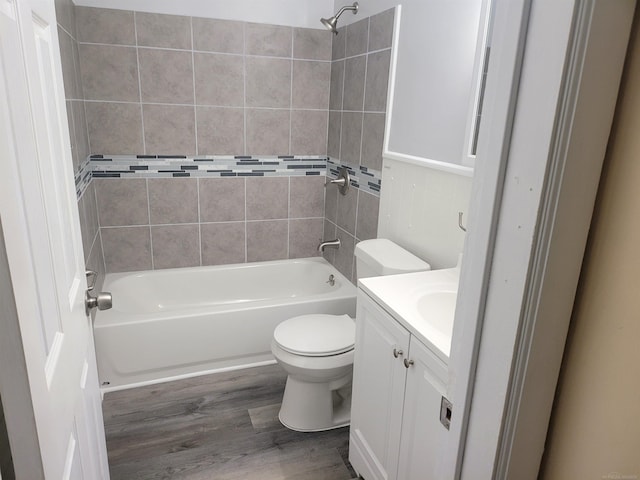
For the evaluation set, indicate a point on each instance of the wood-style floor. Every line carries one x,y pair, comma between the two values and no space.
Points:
222,426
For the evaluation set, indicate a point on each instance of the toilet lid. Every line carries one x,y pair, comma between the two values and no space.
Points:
316,335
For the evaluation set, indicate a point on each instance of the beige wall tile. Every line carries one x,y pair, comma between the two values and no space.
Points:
176,246
166,76
372,140
312,44
331,201
268,40
351,138
223,243
268,82
122,201
309,132
346,211
212,35
109,73
357,37
368,208
267,132
339,44
169,129
311,84
103,25
222,199
173,200
220,131
267,198
333,140
354,79
267,240
126,249
306,197
377,81
114,128
164,31
381,30
219,80
304,237
68,68
336,85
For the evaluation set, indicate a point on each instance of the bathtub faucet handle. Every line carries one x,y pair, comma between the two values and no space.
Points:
329,243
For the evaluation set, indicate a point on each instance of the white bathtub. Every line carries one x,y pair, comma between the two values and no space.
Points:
170,324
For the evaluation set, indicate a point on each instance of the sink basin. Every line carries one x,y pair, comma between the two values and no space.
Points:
438,308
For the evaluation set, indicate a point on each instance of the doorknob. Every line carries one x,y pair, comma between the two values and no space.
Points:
102,301
397,353
408,363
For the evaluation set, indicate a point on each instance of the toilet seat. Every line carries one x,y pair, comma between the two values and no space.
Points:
316,335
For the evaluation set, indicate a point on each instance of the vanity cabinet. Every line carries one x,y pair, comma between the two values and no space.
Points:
397,390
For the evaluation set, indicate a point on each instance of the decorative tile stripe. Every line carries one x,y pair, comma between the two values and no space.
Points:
163,166
180,166
83,177
362,178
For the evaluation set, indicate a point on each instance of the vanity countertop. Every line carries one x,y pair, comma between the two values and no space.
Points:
423,302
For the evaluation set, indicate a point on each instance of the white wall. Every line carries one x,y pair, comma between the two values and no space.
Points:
294,13
419,210
434,76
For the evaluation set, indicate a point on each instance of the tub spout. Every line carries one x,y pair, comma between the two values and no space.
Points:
329,243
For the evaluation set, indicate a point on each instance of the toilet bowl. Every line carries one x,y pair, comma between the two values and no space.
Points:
317,350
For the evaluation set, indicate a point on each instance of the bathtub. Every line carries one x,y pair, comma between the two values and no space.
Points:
176,323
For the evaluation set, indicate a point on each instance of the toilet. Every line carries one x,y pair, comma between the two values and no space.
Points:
317,350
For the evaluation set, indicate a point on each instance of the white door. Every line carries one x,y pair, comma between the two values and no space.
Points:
42,233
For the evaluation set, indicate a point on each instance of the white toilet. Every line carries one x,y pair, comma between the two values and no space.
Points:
317,350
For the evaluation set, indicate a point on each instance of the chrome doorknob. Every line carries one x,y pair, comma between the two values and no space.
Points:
102,301
408,363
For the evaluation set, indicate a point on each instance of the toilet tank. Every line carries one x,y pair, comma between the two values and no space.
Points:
380,256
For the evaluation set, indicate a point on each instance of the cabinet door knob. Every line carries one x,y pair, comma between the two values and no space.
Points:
397,353
408,363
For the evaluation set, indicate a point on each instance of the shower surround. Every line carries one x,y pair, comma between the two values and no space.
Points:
253,101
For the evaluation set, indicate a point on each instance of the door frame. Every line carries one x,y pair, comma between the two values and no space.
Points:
543,150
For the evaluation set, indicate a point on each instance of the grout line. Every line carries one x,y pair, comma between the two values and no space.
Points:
149,214
193,75
135,30
275,57
199,221
111,227
246,254
236,107
244,99
289,215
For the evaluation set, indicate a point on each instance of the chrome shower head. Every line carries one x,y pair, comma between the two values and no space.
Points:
332,22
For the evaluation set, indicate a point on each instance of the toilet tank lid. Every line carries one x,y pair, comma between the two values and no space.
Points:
389,257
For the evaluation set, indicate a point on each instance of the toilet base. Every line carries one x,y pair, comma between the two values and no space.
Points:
314,407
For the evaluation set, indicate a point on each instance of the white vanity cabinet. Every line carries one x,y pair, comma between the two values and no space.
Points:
397,390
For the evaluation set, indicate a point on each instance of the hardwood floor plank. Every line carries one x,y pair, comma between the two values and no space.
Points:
222,426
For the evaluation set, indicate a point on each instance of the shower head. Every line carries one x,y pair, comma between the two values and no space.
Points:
331,22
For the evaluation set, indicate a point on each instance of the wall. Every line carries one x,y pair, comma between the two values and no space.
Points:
223,99
435,75
79,140
293,13
361,54
596,417
419,210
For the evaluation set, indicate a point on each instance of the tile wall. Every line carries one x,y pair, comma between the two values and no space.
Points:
168,84
152,223
79,140
361,56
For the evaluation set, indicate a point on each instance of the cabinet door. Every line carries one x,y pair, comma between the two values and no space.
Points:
378,391
423,436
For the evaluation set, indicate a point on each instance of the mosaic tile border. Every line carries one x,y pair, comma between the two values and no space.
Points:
83,177
362,178
180,166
